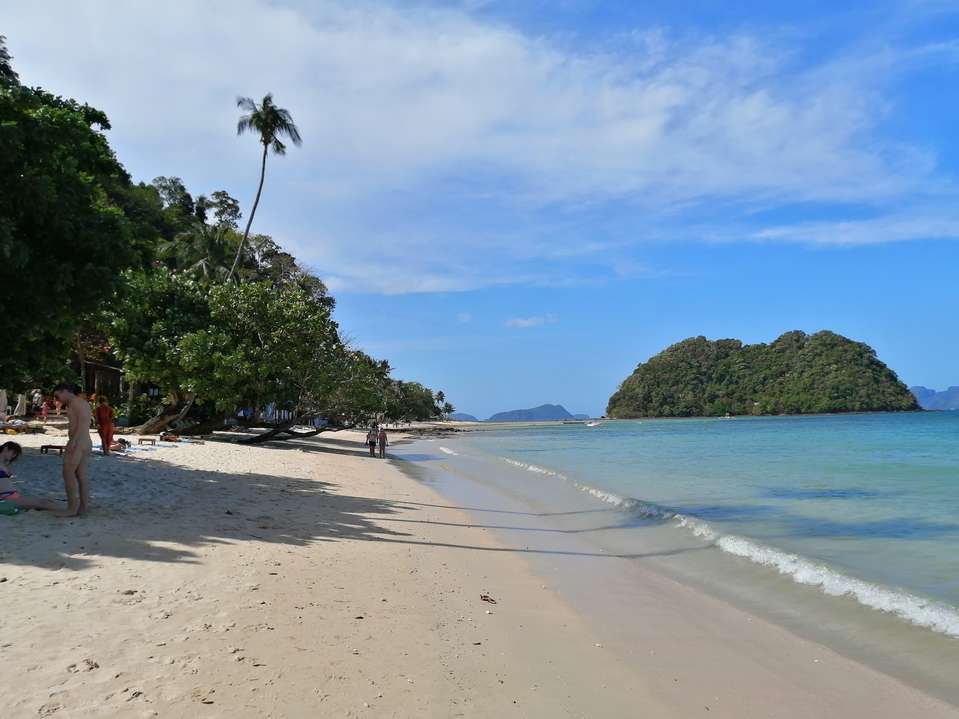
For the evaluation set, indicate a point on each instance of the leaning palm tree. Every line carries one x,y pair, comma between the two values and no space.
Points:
271,123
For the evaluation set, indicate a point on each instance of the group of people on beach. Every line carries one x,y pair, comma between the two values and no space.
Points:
376,437
75,453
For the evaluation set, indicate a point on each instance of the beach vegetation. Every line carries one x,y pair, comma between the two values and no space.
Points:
271,123
207,325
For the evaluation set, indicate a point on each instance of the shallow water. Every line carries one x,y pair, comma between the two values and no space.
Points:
828,499
842,528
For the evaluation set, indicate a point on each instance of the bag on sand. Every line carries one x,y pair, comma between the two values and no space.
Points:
8,507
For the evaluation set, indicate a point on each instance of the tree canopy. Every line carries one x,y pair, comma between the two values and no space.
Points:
796,374
158,282
63,226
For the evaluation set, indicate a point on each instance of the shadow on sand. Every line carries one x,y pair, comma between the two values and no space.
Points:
154,510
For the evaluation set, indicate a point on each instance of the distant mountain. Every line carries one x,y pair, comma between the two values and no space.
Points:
581,416
931,399
795,374
535,414
463,417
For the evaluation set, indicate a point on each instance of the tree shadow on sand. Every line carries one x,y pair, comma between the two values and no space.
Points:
171,513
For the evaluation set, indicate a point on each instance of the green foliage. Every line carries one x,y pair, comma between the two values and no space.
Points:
203,251
410,402
263,346
152,313
796,374
269,122
62,224
226,210
133,275
7,74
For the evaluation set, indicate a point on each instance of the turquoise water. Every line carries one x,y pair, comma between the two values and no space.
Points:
859,505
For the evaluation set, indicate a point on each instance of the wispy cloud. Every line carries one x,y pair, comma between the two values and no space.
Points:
423,122
523,323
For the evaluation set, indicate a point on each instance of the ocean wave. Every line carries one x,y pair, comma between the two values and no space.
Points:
939,617
447,450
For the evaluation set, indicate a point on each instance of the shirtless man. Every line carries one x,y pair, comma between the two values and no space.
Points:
77,451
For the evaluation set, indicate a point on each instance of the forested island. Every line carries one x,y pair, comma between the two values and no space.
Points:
796,374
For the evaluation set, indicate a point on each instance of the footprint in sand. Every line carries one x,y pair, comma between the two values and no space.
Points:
87,665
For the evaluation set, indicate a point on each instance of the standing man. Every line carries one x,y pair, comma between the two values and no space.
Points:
77,451
383,441
371,437
104,419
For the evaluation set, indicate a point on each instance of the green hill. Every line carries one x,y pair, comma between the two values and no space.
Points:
796,374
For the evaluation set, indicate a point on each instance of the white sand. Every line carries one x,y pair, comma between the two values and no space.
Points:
227,581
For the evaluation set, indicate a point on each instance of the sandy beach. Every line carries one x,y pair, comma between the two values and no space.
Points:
305,579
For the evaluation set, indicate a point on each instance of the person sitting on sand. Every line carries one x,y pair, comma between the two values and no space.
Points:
9,453
103,415
371,438
383,442
78,450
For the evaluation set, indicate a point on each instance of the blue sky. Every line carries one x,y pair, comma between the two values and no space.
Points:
518,201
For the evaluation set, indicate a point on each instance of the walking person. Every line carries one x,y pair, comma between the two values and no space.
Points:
383,442
371,438
104,419
77,451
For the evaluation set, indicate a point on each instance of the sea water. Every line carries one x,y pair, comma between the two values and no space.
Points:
844,528
864,506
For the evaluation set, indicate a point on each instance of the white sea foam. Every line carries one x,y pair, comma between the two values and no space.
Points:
939,617
447,450
923,612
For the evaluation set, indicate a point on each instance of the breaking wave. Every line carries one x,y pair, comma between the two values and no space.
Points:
937,616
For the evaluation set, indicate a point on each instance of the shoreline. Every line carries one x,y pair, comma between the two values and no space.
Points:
565,521
307,579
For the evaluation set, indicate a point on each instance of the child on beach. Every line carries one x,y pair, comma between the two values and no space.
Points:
383,442
9,453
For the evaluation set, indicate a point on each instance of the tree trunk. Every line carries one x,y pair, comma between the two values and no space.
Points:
208,427
164,419
286,429
249,220
82,360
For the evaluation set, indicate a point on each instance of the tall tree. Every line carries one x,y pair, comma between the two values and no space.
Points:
61,225
7,74
270,123
226,210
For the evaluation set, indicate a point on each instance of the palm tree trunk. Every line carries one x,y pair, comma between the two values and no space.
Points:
249,221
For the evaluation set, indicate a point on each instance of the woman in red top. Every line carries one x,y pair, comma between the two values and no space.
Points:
104,418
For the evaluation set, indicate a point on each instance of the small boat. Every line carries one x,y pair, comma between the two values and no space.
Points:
593,424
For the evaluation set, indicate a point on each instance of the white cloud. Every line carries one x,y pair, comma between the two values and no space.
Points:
895,227
420,122
523,323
